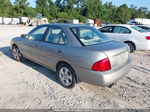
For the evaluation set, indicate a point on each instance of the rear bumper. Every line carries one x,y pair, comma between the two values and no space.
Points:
143,46
104,78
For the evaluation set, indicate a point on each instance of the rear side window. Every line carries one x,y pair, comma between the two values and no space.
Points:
86,33
107,29
56,35
122,30
37,33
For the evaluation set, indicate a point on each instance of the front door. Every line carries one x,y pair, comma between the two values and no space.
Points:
31,43
120,33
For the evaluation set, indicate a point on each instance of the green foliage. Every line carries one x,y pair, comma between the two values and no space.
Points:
47,8
52,9
148,15
142,11
42,7
21,8
111,12
92,9
5,8
74,9
123,14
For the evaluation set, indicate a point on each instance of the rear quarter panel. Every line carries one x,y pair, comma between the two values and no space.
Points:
82,57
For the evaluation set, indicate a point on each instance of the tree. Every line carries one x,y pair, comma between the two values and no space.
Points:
142,11
5,8
69,9
94,9
148,15
74,9
111,12
42,7
133,11
21,8
122,14
52,9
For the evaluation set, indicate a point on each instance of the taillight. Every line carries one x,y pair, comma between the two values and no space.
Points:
148,38
102,65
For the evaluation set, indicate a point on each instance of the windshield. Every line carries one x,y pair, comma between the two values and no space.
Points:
89,35
138,29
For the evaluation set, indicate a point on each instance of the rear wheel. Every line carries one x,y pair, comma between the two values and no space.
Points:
66,76
131,46
16,53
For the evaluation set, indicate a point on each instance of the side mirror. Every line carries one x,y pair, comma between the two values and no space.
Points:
24,35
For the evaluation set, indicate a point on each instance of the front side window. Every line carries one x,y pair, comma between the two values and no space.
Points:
89,36
107,29
122,30
56,35
37,33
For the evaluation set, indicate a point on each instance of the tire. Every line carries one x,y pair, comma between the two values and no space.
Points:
66,76
131,46
16,53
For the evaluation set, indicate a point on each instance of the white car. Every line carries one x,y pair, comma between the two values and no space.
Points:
145,27
136,37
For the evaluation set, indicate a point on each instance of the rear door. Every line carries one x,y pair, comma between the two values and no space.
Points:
53,47
120,33
30,45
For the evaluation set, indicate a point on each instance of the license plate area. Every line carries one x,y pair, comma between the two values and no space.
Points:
122,58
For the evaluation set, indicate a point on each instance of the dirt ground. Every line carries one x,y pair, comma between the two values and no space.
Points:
27,85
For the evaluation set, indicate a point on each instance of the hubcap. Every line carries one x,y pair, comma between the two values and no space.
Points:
16,53
65,76
131,47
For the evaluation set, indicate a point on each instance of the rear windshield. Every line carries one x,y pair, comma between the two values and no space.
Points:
138,29
89,35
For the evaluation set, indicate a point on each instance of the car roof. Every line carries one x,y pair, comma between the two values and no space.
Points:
144,25
66,25
125,25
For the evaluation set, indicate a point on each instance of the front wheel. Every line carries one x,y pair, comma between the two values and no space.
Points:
16,53
66,76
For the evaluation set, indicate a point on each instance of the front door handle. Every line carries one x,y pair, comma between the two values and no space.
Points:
33,45
60,51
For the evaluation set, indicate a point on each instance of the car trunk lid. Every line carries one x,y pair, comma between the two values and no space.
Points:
117,53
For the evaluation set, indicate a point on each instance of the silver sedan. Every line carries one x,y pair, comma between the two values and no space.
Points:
76,52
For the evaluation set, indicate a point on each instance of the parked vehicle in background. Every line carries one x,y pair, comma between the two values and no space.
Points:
15,21
145,27
36,21
138,21
23,20
6,20
75,52
136,37
1,20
